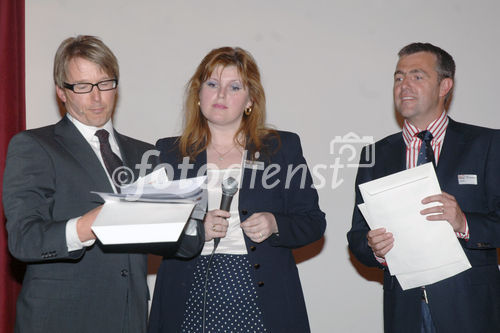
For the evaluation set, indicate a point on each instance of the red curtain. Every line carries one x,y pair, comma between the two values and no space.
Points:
12,120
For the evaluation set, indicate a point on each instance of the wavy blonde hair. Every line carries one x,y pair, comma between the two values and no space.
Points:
196,133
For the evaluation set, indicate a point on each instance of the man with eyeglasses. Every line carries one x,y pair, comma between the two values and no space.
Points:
73,283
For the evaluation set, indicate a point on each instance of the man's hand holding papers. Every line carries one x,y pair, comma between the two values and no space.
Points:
151,210
449,210
418,249
380,241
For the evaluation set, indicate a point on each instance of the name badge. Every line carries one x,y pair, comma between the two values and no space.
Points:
256,165
467,179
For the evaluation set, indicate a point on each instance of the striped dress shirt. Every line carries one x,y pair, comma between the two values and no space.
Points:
413,142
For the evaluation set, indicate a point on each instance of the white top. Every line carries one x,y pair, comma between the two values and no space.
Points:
234,242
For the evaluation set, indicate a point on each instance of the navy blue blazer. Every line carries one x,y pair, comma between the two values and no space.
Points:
300,222
469,301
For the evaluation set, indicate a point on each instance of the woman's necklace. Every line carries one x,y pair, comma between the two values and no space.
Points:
221,156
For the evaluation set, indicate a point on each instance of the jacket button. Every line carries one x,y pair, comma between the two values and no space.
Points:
260,284
256,266
124,273
244,212
253,248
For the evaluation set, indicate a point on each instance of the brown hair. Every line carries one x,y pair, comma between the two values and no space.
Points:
196,134
87,47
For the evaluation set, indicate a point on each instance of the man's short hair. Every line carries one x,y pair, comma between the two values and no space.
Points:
445,63
86,47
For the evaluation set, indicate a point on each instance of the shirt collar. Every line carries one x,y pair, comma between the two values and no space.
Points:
437,129
88,132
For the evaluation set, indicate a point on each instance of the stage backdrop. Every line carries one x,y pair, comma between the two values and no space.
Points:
327,68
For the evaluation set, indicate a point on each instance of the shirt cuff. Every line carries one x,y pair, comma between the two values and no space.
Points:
380,260
464,235
72,240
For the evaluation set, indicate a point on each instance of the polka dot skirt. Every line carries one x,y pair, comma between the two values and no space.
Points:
231,298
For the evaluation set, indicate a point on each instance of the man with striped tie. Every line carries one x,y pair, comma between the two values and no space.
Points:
467,162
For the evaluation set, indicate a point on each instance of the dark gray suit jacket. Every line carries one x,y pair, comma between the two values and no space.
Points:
49,174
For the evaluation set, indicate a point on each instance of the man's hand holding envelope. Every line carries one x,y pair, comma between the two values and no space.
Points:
413,226
382,241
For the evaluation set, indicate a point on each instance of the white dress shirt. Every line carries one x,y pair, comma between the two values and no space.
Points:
72,240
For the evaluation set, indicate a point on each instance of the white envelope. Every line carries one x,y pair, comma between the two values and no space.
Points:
394,202
125,222
151,210
424,278
406,255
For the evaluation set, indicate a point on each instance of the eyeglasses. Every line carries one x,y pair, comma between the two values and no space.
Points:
85,88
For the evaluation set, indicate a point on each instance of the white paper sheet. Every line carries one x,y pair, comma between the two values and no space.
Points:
423,278
427,249
151,210
122,222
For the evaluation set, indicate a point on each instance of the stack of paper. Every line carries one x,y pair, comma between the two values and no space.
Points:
424,251
151,210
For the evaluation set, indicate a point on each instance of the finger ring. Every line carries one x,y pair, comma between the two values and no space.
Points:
261,236
213,227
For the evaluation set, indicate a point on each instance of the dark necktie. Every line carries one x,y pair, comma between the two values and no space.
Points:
111,160
425,154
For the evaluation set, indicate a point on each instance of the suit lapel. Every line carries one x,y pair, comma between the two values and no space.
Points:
453,145
126,150
75,144
395,160
129,156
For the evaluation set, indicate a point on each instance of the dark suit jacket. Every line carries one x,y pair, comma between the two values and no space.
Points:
49,174
469,301
300,222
